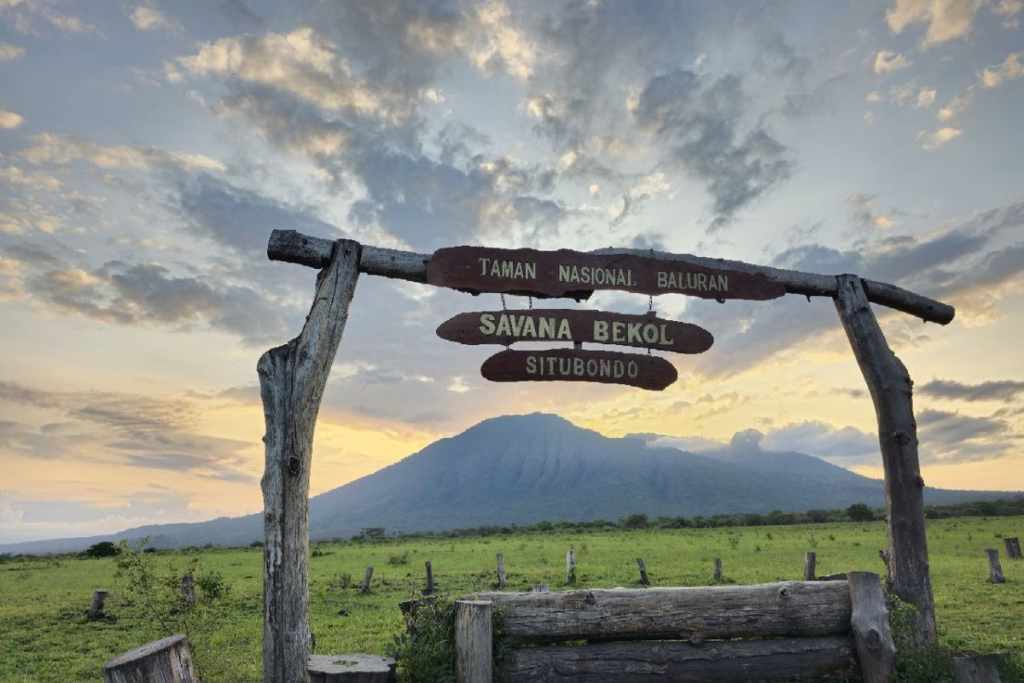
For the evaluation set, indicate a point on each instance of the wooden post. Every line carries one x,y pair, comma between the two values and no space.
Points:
995,570
168,659
570,568
188,592
975,669
1012,547
810,560
473,642
644,581
718,569
430,580
501,570
292,380
891,391
870,622
99,598
364,587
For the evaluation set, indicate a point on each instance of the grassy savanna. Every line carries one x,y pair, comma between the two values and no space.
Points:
46,637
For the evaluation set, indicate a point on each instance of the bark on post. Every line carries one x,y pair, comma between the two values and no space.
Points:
99,598
870,621
501,570
167,659
810,560
718,569
473,642
364,587
891,391
292,380
570,568
1012,547
995,570
644,581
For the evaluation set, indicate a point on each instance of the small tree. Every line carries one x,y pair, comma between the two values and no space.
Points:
102,549
859,512
635,521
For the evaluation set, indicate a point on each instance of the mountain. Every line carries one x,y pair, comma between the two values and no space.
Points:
523,469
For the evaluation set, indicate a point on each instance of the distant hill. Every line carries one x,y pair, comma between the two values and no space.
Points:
523,469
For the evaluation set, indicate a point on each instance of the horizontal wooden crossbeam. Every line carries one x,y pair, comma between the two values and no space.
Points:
294,247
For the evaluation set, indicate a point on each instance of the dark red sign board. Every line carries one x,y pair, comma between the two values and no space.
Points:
572,273
643,331
571,365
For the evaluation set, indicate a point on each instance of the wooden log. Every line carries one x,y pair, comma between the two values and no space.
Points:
975,669
501,570
570,568
891,391
292,380
293,247
718,569
995,570
791,608
364,587
95,611
644,581
168,659
1012,547
869,619
810,560
473,642
712,662
430,580
351,668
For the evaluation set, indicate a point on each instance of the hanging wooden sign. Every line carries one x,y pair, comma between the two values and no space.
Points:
572,273
643,331
572,365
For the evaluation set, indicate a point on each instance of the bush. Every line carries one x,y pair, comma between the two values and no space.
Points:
859,512
102,549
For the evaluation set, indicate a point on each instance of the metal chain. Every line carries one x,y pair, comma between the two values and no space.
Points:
503,306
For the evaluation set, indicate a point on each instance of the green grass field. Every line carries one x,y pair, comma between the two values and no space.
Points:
44,635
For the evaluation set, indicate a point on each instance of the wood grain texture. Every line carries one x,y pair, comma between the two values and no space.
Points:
168,660
791,608
876,651
891,391
676,662
292,379
473,642
293,247
572,325
571,365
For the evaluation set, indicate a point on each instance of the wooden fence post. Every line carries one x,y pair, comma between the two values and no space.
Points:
870,622
292,380
188,592
810,560
995,570
1012,547
364,587
570,568
430,579
891,392
501,570
99,598
644,581
718,569
167,659
473,642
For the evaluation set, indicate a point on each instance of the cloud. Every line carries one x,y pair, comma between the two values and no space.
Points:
862,208
1010,69
8,52
1002,390
845,445
62,150
937,137
702,120
241,14
945,19
925,98
952,437
955,107
888,61
146,18
8,119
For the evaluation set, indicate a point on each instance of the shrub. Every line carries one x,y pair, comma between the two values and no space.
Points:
859,512
102,549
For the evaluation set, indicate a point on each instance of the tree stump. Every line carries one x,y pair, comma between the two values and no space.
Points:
357,668
1012,547
975,669
810,560
995,570
473,641
364,588
168,659
99,598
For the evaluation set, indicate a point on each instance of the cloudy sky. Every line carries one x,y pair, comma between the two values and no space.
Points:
147,149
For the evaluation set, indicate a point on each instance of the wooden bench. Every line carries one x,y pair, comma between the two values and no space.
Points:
775,631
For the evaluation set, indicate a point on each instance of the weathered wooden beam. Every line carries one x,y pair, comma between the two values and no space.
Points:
315,252
891,391
784,659
876,651
167,659
292,380
473,642
791,608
